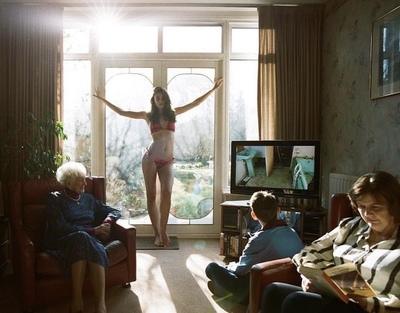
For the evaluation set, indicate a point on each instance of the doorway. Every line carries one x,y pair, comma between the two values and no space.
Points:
129,85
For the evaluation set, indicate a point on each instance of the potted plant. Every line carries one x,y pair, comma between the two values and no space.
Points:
34,146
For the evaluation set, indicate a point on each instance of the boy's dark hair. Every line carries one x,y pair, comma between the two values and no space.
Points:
264,205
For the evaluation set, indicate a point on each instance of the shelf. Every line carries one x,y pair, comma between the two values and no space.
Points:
235,217
236,221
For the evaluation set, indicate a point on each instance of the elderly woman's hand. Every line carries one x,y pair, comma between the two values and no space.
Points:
103,231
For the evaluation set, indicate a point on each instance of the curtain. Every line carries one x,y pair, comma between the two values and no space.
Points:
289,72
30,80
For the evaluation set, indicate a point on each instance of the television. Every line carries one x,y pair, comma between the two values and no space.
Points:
287,168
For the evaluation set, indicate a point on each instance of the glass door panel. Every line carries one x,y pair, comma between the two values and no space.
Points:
126,138
192,197
131,87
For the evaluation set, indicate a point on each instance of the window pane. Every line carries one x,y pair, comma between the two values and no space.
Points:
194,144
243,118
126,138
77,119
192,39
76,41
128,39
245,40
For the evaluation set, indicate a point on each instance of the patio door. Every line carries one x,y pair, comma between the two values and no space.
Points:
129,85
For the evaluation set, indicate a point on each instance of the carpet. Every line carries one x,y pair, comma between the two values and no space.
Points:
157,289
147,243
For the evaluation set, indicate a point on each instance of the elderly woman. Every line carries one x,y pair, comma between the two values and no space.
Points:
78,223
371,241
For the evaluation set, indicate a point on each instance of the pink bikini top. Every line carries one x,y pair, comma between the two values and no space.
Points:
155,127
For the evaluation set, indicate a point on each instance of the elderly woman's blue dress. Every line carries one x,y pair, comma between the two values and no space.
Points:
67,220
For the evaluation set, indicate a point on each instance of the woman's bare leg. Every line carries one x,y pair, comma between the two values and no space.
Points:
78,270
97,279
150,179
166,175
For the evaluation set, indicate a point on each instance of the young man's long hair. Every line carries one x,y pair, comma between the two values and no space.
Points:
169,113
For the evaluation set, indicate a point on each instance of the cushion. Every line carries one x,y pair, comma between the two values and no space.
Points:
47,264
116,252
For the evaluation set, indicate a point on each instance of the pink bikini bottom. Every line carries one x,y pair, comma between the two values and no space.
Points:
158,161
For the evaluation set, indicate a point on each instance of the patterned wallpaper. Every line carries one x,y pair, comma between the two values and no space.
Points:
359,135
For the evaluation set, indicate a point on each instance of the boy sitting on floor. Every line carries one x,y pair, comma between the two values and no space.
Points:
275,240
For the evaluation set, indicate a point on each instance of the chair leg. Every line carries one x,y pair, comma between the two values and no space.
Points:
127,285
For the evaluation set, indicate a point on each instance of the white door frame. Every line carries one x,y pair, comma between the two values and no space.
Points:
98,134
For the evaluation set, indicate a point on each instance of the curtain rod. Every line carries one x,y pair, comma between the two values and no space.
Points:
151,5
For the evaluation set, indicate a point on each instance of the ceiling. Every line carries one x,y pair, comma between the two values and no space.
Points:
147,3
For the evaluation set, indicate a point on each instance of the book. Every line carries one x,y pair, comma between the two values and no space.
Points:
222,239
341,281
229,244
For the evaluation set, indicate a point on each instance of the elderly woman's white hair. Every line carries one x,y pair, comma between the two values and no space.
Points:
68,172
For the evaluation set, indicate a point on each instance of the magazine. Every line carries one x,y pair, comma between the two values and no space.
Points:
342,281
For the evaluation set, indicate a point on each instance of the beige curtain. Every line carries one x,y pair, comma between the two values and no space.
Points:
289,72
30,78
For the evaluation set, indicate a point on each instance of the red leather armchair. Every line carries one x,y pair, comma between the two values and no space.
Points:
39,280
283,270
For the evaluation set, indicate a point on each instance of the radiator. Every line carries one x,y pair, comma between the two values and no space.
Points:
340,183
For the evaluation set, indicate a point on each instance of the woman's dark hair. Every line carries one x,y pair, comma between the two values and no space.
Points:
381,186
169,113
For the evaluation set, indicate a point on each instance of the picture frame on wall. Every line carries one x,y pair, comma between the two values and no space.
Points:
385,55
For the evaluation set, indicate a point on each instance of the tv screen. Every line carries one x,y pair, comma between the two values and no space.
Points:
289,169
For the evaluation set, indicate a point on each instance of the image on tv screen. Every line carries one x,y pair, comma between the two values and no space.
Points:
283,167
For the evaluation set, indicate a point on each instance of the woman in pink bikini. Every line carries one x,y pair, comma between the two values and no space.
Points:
159,155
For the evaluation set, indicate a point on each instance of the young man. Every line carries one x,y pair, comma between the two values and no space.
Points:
274,240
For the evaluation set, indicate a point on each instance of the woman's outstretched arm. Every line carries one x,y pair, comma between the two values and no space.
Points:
118,110
193,104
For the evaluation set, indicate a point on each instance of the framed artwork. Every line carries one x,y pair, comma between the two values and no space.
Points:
385,55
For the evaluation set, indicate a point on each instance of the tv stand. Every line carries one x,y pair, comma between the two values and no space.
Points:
236,223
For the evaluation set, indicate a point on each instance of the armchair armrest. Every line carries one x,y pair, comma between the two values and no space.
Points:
22,247
265,273
24,263
126,233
